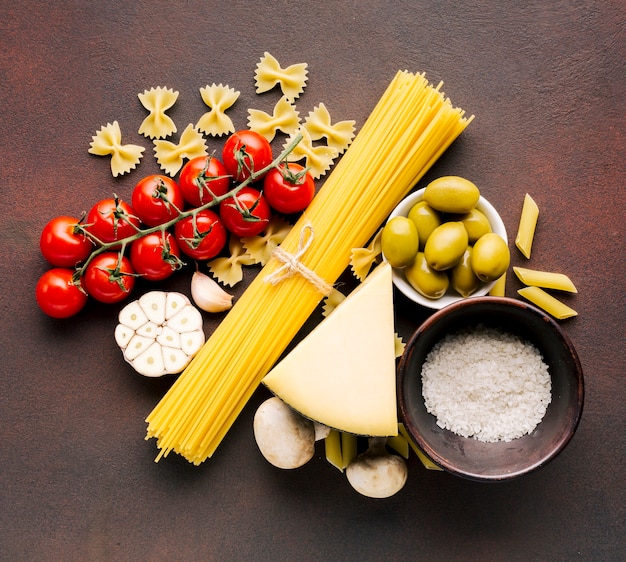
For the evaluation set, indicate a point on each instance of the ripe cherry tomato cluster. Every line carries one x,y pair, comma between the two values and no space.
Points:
101,254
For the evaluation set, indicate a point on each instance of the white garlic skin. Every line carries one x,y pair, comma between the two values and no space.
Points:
208,295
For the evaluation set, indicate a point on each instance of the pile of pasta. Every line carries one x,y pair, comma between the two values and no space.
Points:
412,124
219,98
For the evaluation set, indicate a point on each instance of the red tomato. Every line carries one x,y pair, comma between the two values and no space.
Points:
155,256
157,199
245,214
111,219
108,281
245,152
201,178
62,244
289,188
57,296
205,240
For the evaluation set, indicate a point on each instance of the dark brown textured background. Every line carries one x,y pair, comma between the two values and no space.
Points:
546,82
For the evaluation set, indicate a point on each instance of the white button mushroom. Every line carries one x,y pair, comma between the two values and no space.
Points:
376,473
159,333
285,438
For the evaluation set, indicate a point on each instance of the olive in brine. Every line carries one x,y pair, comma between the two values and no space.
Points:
446,245
426,219
462,277
425,280
490,257
399,241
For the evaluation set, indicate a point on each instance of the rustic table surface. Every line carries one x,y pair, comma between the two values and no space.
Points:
546,83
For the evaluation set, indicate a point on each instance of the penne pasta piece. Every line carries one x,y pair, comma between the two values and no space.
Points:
545,279
428,464
498,290
332,449
547,302
527,225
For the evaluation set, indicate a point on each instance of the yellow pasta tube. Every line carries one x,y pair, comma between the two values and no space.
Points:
547,302
430,465
332,449
527,225
545,279
409,128
498,290
348,448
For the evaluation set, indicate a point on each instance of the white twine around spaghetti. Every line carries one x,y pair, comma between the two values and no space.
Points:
292,264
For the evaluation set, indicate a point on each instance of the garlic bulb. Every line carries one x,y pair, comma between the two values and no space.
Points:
160,333
208,295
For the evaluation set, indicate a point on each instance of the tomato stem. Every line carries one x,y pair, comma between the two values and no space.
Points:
120,214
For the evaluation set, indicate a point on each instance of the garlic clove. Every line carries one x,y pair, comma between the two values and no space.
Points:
153,304
208,295
174,303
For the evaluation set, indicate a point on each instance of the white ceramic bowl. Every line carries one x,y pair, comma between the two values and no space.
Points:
451,296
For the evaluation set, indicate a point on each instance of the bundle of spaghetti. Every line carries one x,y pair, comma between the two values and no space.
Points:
410,127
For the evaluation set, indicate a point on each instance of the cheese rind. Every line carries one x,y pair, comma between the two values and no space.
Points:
343,374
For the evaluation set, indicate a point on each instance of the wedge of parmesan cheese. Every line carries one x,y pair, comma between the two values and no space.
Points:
343,374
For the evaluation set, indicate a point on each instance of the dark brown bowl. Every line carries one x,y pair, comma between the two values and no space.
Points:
497,461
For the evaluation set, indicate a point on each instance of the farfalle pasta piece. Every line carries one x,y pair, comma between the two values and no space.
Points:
108,140
332,301
292,79
362,259
157,101
261,247
219,98
229,270
171,156
284,118
319,125
319,158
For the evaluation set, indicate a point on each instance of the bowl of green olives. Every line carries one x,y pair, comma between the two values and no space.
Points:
446,243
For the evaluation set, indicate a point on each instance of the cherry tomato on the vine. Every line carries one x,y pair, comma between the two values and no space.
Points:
157,199
109,278
202,178
203,238
289,188
247,213
245,152
155,256
62,244
112,219
57,296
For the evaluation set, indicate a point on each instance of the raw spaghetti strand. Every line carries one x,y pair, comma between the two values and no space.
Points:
409,128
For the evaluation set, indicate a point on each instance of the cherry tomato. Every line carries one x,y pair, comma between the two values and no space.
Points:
201,178
111,219
289,188
245,152
205,239
62,244
155,256
57,296
245,214
157,199
108,281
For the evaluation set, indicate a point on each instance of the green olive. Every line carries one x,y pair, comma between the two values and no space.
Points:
462,277
399,241
446,245
490,257
425,280
426,219
476,224
451,194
